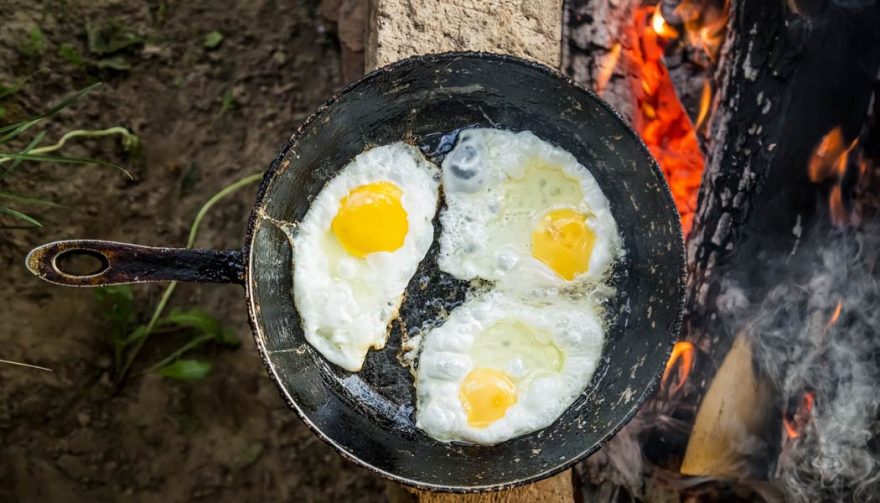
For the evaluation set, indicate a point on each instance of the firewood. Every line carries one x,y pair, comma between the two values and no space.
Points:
732,416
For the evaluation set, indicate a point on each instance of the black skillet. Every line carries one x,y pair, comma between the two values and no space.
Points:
368,417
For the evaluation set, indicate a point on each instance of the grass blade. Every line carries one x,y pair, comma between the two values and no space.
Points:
16,129
19,215
29,200
36,141
61,105
61,159
14,88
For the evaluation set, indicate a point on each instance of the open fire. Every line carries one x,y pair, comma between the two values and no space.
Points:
797,414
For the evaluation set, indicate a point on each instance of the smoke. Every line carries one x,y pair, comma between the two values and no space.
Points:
804,348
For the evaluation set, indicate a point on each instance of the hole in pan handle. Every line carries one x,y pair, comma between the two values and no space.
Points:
119,263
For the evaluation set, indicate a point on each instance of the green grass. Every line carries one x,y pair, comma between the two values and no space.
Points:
25,133
198,327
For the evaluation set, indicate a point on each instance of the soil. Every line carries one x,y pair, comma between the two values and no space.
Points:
206,116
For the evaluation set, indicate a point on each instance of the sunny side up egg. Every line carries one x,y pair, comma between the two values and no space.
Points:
502,366
522,212
526,216
357,247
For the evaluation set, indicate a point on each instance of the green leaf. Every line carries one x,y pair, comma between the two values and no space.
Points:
228,102
117,305
186,370
69,53
36,43
213,39
19,215
203,323
137,334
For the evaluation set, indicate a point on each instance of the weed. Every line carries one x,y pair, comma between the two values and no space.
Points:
200,327
228,102
213,39
12,158
71,55
109,44
35,45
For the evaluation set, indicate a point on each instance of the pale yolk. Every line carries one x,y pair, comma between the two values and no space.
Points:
371,219
563,242
486,394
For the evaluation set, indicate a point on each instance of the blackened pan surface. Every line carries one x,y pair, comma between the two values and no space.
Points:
369,416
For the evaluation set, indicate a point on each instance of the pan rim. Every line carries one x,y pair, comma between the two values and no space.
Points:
253,309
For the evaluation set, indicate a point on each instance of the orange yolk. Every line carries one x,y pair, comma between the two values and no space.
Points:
486,395
563,242
371,219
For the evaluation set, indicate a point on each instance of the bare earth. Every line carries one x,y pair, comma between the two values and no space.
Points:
68,435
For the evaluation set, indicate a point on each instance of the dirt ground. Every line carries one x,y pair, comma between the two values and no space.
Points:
206,116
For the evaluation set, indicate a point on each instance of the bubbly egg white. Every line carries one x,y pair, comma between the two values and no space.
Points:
346,303
497,185
573,335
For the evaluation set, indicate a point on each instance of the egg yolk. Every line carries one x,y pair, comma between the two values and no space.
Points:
563,242
486,394
371,219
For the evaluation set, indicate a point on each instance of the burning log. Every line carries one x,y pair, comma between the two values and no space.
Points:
787,128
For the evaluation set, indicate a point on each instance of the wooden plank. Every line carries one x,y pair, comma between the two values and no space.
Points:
531,29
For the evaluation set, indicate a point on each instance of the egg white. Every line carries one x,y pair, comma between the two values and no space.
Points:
346,303
487,230
447,356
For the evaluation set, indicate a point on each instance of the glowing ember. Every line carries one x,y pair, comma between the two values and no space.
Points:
683,352
836,316
795,424
829,163
661,120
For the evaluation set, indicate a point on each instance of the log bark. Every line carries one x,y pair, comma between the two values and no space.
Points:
786,77
531,29
592,47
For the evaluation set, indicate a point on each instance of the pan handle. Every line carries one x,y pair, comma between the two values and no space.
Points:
126,263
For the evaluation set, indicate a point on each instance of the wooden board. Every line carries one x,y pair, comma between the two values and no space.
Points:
532,29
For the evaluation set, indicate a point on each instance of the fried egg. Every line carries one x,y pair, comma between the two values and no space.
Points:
357,248
503,366
522,212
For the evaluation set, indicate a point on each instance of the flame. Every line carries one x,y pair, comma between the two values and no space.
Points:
606,68
836,316
829,163
705,102
660,26
683,351
704,23
660,119
794,425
